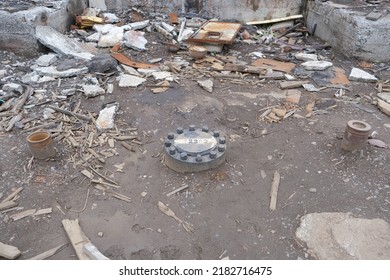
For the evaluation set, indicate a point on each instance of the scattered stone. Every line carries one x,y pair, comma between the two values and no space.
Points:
100,234
46,59
95,37
359,75
110,88
106,119
206,85
54,73
13,87
156,60
289,77
135,40
45,79
130,70
316,65
3,72
306,57
163,75
139,25
310,88
60,43
92,90
130,81
374,16
102,63
68,92
258,54
146,72
30,78
110,18
167,27
339,236
111,35
313,190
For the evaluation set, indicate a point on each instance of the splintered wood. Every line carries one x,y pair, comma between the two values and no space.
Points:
274,191
76,237
163,208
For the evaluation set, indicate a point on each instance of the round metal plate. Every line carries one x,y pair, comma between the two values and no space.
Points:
195,142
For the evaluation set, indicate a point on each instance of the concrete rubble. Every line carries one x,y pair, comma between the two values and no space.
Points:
339,236
92,90
135,40
360,75
126,80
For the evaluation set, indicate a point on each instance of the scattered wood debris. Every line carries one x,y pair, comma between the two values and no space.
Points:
8,251
49,253
274,191
163,208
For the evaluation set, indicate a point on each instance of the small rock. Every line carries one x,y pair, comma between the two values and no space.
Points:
156,60
206,85
310,87
54,73
306,57
110,88
139,25
110,18
111,35
146,72
130,81
13,87
46,59
289,77
100,234
313,190
384,96
30,78
163,75
92,90
95,37
135,40
361,76
102,63
106,119
3,72
387,125
130,70
68,92
316,65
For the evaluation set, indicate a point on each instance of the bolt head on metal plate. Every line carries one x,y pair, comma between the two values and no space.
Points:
194,149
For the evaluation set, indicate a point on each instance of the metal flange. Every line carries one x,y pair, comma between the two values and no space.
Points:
194,149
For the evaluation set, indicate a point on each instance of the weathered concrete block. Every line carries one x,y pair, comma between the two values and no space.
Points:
359,37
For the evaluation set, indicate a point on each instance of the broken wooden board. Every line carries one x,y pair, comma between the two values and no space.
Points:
7,205
93,252
76,237
292,84
293,96
167,211
268,21
127,61
274,191
13,195
49,253
384,106
44,211
23,214
8,251
266,63
244,68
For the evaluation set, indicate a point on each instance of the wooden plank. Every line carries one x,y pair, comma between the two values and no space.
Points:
76,237
274,20
12,195
274,191
23,214
8,251
292,84
49,253
244,68
43,211
7,205
93,252
273,64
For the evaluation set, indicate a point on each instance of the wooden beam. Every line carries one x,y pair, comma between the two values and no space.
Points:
76,237
274,191
274,20
49,253
7,205
8,251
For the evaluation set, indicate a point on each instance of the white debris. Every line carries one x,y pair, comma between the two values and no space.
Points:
306,57
257,54
95,37
289,77
106,119
100,4
110,18
130,81
13,87
110,88
163,75
167,27
146,72
316,65
111,35
138,25
54,73
185,34
384,96
206,85
135,40
3,72
129,70
310,87
361,76
46,59
92,90
60,43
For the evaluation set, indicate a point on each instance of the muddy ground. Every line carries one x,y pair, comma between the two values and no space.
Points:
228,206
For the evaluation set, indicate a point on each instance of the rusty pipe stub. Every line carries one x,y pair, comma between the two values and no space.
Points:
41,144
355,135
194,149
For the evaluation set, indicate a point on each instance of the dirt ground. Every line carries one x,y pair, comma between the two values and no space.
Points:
228,206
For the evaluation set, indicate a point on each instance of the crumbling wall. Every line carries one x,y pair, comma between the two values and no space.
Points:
349,31
242,10
17,30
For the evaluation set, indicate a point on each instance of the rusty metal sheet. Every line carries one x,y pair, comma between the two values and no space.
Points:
127,61
215,32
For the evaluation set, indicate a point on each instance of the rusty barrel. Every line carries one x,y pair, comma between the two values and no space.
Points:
355,135
41,144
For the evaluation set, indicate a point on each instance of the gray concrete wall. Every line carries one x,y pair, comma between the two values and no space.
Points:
17,30
350,32
242,10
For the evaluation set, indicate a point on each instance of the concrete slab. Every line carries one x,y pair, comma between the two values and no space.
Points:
359,37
